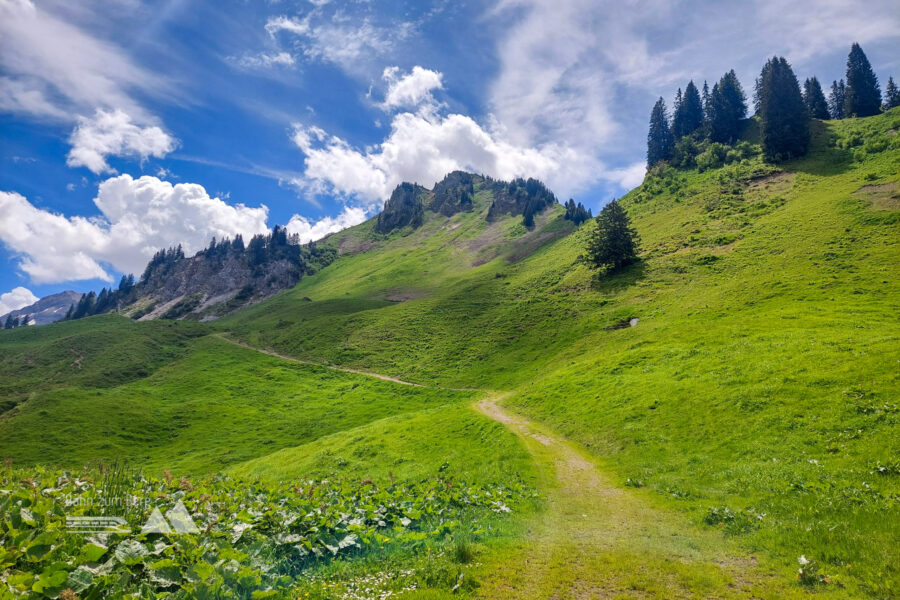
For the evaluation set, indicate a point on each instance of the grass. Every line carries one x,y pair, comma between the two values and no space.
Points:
751,412
218,405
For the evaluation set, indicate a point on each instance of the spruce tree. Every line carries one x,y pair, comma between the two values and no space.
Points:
727,107
613,243
863,96
891,95
784,116
688,116
659,138
9,322
836,99
814,99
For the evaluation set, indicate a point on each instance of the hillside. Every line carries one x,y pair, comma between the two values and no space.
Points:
746,419
48,309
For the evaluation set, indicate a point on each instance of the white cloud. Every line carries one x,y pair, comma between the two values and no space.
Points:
339,40
112,133
628,177
412,89
312,231
54,69
18,297
265,60
423,148
137,217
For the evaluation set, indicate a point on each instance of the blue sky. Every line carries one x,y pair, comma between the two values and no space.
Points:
129,126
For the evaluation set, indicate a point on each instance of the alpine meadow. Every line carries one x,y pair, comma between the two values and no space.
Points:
682,384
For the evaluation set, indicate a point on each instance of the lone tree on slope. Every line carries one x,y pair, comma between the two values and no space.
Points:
613,243
814,99
659,138
785,119
863,96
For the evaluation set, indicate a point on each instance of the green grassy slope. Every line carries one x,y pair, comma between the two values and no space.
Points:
756,395
761,378
102,352
219,404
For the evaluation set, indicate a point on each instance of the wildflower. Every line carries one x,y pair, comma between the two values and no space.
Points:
803,560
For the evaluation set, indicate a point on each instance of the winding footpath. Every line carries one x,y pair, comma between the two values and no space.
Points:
595,539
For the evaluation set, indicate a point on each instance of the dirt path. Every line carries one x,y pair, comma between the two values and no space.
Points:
269,352
596,539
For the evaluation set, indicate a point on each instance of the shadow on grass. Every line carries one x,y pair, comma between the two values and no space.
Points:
824,158
619,280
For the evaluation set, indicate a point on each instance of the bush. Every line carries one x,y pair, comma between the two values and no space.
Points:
713,157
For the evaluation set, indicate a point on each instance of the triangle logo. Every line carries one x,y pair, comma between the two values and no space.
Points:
181,519
156,523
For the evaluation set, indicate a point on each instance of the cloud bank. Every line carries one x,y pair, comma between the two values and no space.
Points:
137,217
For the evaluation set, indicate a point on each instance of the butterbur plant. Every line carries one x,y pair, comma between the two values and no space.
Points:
809,572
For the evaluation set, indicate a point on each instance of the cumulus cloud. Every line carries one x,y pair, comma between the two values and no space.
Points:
423,147
18,297
311,231
137,217
112,133
412,89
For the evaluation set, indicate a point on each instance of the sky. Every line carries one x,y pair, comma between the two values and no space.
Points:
129,126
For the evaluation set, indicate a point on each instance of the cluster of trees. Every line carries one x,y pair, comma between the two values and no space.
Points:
13,322
714,116
700,121
404,208
576,213
520,196
262,249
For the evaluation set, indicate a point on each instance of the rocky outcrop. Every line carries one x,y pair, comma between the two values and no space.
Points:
405,207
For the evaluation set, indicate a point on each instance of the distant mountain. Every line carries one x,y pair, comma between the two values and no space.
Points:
48,309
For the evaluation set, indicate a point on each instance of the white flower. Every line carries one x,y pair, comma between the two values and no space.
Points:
803,560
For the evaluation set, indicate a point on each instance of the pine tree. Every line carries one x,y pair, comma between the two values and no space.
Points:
836,99
69,313
24,321
727,107
706,100
613,243
891,95
784,116
9,322
659,138
238,243
814,99
863,96
688,116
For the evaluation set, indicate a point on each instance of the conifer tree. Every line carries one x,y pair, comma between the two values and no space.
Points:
659,138
688,116
785,119
727,107
814,99
891,95
24,321
836,99
613,243
9,322
863,96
